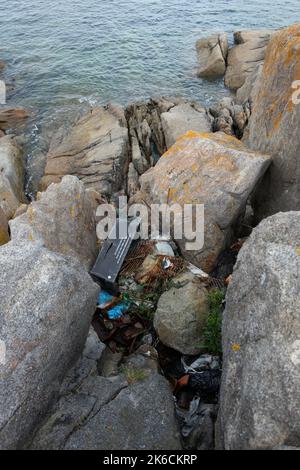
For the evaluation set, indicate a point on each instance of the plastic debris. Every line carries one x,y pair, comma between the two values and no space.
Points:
117,311
113,306
206,384
105,299
116,328
197,425
166,263
204,362
159,267
197,271
164,249
113,253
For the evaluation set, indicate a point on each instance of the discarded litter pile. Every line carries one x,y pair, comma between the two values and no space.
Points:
126,313
140,308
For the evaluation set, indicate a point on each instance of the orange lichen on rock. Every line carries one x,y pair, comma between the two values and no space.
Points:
281,45
214,170
282,56
274,123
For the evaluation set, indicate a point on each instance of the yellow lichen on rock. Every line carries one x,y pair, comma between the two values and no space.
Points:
274,124
210,169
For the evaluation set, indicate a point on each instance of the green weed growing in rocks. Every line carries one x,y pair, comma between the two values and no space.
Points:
133,374
144,300
213,330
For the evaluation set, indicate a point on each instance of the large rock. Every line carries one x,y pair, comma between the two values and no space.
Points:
230,117
274,124
133,185
4,235
139,117
11,176
95,150
139,161
140,417
13,119
100,413
74,411
244,57
260,393
156,124
248,92
216,170
181,315
212,55
46,304
183,118
63,218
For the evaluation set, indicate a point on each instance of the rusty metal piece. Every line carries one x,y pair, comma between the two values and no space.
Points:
136,256
122,332
214,283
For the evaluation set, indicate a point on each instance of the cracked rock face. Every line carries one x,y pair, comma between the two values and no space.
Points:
106,413
95,150
212,55
260,392
216,170
244,57
248,92
140,416
230,117
183,118
46,305
156,125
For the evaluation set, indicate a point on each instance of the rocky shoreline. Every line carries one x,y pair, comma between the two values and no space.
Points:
65,384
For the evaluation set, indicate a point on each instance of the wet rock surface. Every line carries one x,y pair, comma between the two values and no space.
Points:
247,53
95,150
212,56
11,175
13,119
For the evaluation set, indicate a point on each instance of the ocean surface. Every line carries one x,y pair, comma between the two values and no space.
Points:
64,54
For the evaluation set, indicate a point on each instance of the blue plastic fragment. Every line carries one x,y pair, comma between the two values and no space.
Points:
104,297
115,312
